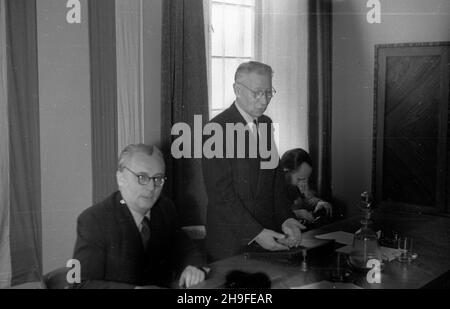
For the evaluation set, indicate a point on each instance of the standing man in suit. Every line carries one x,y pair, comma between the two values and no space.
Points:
247,204
132,239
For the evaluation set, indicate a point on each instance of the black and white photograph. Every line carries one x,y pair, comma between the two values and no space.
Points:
224,149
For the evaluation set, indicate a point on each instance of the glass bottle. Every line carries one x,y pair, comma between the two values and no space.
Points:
365,242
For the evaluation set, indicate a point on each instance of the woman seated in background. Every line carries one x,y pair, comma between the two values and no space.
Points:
308,208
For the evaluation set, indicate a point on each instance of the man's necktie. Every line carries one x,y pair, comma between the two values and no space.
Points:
255,121
145,231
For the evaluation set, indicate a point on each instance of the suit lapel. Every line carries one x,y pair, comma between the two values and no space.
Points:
236,115
128,226
253,171
264,173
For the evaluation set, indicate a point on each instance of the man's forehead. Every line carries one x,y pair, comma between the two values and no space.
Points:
144,163
255,79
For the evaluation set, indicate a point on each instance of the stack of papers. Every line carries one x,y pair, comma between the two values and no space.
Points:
345,238
339,237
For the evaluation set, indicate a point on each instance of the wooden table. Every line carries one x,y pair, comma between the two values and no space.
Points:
431,236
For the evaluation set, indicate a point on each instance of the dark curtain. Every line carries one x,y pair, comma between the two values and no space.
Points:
319,101
102,42
23,109
184,94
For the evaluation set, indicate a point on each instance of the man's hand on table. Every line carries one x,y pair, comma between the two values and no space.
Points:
292,229
270,240
191,276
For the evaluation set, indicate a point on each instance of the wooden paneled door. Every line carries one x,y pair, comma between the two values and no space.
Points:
411,144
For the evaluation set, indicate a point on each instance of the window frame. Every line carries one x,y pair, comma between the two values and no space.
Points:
255,48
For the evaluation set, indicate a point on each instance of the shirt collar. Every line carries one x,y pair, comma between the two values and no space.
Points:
249,119
137,216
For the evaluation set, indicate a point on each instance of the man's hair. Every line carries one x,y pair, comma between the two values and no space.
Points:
294,158
128,152
252,67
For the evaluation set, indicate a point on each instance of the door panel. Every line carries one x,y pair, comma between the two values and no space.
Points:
411,125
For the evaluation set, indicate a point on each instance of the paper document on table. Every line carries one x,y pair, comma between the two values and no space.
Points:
309,242
390,253
328,285
339,237
387,253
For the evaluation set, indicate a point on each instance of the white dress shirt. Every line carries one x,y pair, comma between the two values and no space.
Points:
249,119
138,217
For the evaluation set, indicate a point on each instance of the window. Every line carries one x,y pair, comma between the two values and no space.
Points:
270,31
232,41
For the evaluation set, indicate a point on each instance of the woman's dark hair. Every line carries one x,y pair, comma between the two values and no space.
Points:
294,158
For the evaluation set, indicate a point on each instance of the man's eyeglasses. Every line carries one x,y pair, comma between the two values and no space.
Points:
144,179
269,94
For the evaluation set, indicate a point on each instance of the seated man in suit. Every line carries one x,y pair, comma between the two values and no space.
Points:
132,238
247,203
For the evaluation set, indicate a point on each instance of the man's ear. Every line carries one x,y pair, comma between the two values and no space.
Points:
237,91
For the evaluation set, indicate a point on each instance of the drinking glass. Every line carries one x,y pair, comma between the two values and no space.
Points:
405,246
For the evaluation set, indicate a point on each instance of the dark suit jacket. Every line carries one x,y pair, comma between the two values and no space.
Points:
111,252
242,198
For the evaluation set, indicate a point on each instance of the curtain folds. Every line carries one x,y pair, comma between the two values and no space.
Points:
130,98
184,94
24,142
282,42
319,100
5,252
102,44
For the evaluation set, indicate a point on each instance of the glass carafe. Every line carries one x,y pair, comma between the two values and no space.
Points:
365,242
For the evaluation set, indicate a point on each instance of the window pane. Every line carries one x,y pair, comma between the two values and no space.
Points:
232,42
248,32
233,30
231,66
217,30
217,83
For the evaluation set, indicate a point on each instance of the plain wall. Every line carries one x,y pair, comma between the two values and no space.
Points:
152,40
65,108
354,40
